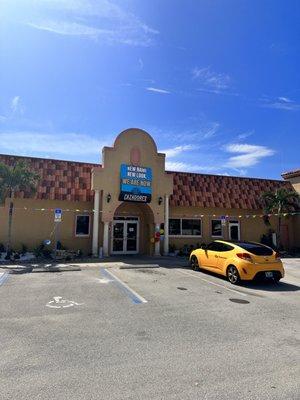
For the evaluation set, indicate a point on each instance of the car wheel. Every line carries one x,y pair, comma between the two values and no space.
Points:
233,275
195,263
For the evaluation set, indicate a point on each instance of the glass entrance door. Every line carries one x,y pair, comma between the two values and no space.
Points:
131,240
234,230
125,237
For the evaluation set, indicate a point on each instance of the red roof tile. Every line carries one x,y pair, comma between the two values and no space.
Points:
71,180
191,189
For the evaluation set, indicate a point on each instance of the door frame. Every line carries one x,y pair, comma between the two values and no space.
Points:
125,222
234,223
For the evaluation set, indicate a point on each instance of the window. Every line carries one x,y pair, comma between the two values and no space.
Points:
82,225
218,246
185,227
213,246
216,227
255,248
224,247
174,227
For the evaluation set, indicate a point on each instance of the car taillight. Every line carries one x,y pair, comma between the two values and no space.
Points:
277,255
244,256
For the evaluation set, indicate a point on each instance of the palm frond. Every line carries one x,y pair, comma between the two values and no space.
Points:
16,178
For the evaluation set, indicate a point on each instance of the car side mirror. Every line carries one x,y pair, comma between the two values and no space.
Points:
203,246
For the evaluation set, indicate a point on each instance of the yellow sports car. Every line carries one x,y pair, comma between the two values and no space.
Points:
238,260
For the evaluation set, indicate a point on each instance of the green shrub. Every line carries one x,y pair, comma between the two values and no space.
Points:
79,254
42,251
59,246
9,255
172,248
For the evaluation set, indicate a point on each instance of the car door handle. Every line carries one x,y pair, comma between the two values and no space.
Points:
217,256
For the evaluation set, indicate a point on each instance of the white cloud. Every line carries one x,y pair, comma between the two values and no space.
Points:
102,20
16,105
210,79
210,130
244,135
157,90
175,151
280,103
187,167
181,135
141,63
69,145
249,154
285,99
72,29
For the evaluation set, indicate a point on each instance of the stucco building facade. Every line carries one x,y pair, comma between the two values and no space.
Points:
130,204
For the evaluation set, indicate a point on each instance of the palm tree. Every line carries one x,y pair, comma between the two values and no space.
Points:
13,179
280,202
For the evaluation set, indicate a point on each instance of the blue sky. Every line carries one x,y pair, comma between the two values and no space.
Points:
216,83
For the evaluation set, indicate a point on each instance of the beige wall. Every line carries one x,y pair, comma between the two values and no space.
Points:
31,227
296,183
107,179
250,228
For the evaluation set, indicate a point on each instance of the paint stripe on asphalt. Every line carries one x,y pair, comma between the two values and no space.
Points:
3,277
133,295
212,283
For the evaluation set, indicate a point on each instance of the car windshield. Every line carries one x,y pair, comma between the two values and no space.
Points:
256,249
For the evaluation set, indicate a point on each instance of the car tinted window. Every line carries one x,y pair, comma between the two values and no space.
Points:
256,249
213,246
224,247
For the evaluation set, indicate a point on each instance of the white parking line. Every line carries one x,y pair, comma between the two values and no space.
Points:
212,283
133,295
3,277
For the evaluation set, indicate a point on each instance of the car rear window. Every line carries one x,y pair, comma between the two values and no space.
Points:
256,249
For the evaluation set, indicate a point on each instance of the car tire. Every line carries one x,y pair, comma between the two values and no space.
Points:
195,263
233,275
276,280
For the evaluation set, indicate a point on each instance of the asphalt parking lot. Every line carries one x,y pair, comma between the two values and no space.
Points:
107,332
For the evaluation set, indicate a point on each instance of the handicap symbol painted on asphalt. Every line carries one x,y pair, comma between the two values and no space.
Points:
60,302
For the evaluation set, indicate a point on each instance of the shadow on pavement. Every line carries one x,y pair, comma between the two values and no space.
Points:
271,286
146,261
267,284
41,267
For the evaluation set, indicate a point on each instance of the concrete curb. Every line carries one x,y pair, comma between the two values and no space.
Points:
139,266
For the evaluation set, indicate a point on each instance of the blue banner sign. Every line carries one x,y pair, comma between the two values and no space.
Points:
136,183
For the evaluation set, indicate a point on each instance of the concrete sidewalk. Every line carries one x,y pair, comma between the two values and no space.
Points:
125,262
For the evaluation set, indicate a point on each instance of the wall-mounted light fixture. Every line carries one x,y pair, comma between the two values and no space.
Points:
108,197
160,200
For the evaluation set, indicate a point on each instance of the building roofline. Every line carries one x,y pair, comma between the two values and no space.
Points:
167,171
225,176
291,174
51,159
